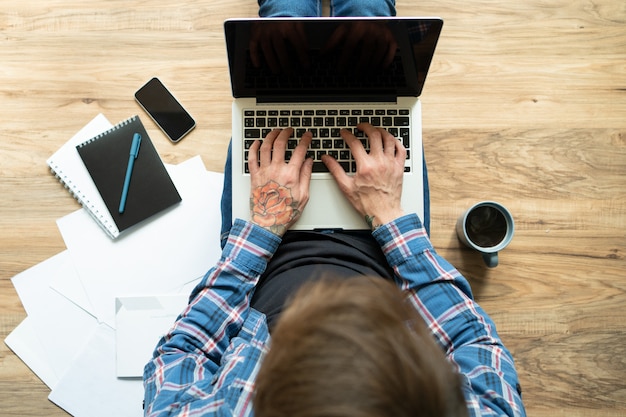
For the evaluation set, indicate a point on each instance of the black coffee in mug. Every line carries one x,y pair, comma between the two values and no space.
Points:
486,226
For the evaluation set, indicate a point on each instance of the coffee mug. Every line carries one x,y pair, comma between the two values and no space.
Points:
486,227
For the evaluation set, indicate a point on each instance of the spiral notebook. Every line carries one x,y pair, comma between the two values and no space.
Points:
93,170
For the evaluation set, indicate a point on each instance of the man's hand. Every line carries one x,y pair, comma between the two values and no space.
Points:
375,190
279,190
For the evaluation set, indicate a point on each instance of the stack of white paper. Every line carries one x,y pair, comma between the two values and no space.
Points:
97,310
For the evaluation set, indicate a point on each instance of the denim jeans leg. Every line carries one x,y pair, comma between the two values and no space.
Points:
426,197
227,198
290,8
362,8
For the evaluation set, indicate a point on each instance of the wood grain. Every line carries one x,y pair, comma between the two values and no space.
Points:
525,104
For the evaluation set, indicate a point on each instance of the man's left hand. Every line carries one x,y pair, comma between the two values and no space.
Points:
279,190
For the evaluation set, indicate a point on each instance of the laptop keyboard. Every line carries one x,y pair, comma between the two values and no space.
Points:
325,125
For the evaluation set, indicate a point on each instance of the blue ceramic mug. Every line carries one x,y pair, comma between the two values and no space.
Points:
487,227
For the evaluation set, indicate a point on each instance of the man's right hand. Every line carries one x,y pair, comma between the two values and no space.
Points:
375,190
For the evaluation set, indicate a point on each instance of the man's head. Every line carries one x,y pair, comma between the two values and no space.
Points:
355,348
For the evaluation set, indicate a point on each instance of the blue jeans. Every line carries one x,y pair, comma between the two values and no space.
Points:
300,8
313,8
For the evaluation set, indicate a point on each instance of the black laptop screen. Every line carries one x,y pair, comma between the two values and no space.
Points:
332,59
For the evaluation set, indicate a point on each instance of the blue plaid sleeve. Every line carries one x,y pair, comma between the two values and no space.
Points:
464,331
207,363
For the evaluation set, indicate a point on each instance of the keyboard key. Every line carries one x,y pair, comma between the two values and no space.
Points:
252,133
401,121
319,167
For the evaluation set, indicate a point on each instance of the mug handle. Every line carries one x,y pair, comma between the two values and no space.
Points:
491,259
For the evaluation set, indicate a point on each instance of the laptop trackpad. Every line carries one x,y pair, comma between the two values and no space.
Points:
328,208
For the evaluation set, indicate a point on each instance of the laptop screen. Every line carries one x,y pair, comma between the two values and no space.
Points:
330,59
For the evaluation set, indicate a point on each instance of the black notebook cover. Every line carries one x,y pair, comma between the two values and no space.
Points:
151,189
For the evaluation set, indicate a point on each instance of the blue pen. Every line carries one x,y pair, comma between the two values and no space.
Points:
134,151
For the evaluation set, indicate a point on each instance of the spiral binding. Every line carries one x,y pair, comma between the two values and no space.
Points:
103,134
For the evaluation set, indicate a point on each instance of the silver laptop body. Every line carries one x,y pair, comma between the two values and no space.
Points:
334,73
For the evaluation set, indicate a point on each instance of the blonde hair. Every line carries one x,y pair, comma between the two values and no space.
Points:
355,348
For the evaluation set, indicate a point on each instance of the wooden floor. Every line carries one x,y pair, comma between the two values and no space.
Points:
525,104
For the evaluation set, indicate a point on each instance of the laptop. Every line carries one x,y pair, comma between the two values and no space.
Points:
322,75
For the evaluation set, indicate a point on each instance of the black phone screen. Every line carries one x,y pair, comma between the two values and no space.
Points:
165,110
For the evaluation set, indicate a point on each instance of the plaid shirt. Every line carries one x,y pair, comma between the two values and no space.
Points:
207,363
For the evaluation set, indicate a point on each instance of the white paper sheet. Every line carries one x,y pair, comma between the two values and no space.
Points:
59,324
90,388
161,255
68,284
140,322
25,343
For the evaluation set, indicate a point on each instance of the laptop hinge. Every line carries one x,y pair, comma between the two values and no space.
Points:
352,98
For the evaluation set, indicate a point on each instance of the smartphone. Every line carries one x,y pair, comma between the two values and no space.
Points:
165,110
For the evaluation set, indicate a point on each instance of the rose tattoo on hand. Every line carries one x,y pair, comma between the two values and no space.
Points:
272,207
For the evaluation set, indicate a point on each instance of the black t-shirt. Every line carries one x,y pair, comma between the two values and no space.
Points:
305,256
